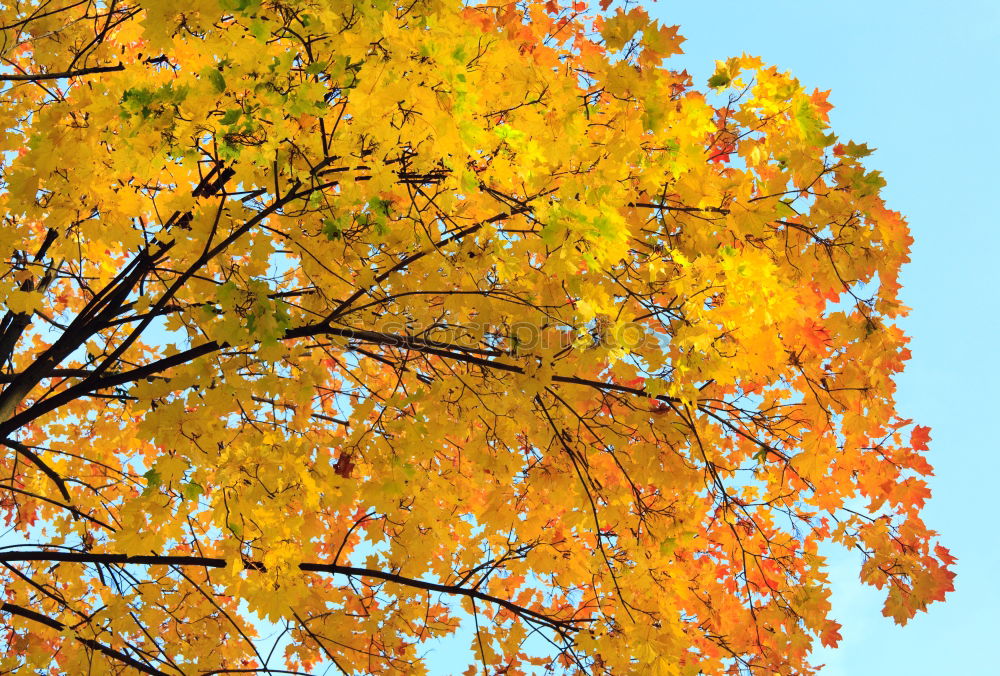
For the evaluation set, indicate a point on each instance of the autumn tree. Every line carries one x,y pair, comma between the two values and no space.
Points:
382,321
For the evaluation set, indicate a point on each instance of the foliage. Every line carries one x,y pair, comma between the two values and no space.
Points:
388,320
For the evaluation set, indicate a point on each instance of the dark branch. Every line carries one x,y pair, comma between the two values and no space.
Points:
33,458
211,562
90,643
37,77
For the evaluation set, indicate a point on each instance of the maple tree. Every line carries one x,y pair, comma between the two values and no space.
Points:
383,321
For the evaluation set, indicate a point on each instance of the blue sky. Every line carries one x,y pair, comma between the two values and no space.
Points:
919,81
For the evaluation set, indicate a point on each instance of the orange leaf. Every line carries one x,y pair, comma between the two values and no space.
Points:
919,437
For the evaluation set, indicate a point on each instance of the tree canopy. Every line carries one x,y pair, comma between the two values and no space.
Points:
379,322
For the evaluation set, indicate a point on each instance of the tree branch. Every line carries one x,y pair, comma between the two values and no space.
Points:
33,458
469,355
334,569
90,643
37,77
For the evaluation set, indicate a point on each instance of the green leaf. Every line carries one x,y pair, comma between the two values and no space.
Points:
228,151
243,6
231,116
226,293
259,30
281,316
214,76
810,125
720,79
379,206
470,182
870,183
332,228
137,97
153,480
192,490
784,209
137,101
857,150
507,133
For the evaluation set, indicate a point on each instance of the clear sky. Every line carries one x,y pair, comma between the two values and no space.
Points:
919,81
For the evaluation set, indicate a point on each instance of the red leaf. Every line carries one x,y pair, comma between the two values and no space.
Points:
831,634
945,555
816,335
344,466
919,437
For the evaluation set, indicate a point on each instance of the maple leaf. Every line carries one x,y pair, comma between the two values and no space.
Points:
344,466
817,336
621,28
919,437
819,100
831,634
944,554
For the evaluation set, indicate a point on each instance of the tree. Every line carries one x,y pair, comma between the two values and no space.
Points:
382,321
